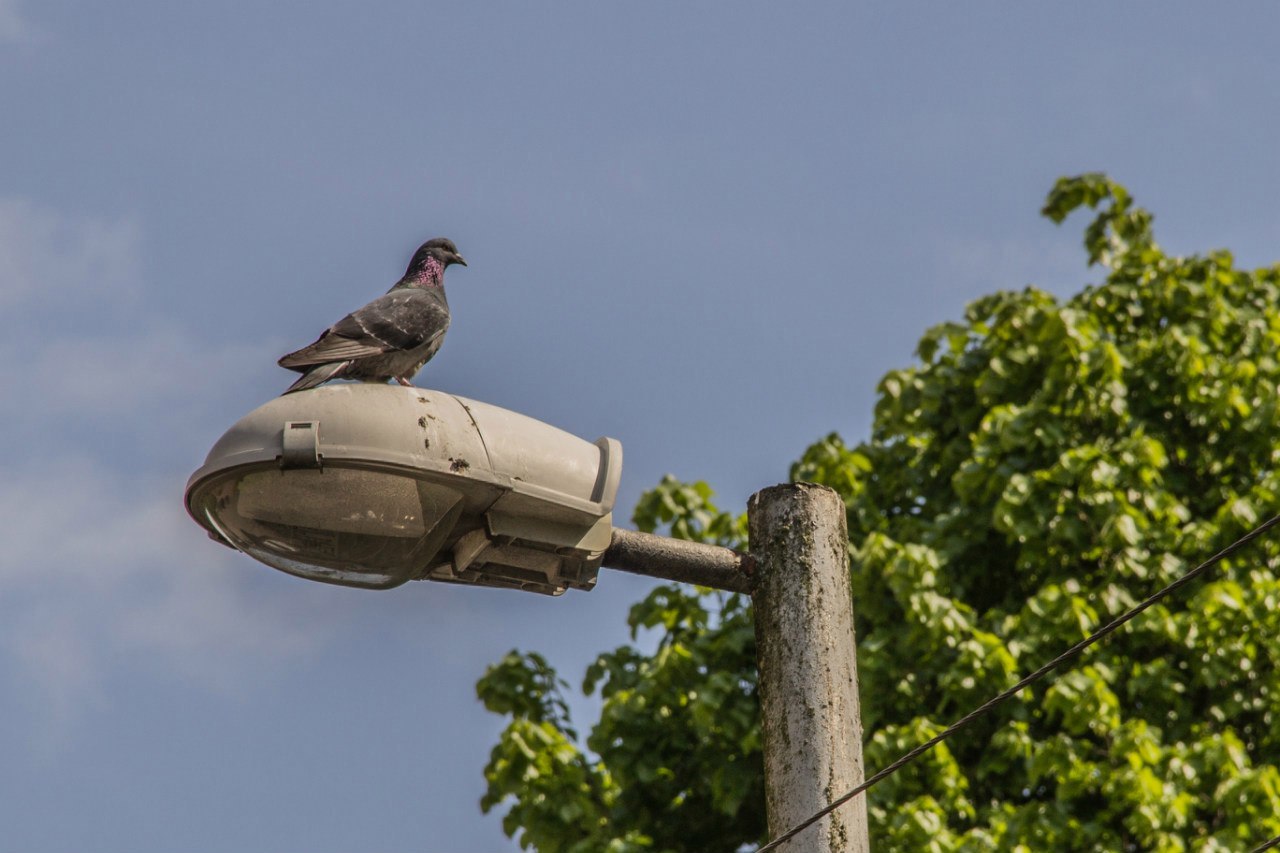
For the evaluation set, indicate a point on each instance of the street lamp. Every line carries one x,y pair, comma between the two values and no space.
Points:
374,485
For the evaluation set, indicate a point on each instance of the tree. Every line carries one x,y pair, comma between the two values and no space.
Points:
1043,466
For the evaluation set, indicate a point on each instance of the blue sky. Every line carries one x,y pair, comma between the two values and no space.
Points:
705,230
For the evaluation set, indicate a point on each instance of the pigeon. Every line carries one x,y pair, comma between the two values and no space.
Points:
390,338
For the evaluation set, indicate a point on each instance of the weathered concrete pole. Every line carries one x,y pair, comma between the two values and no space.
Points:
808,666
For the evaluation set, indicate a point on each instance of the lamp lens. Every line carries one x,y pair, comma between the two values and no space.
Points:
341,525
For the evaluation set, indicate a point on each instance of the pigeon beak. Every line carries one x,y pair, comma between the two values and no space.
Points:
458,259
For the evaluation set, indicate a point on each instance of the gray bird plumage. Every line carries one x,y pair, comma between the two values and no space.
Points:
390,338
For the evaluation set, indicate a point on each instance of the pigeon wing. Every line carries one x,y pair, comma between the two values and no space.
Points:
398,321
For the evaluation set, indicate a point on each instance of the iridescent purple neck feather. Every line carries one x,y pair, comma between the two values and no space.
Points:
430,273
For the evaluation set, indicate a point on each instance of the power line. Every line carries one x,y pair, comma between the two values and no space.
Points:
991,704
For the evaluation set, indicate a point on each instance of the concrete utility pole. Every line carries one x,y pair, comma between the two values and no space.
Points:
798,575
807,658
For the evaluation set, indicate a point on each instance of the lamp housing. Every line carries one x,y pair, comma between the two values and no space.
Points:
371,485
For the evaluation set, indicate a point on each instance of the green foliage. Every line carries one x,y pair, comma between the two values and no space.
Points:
686,510
1045,465
674,762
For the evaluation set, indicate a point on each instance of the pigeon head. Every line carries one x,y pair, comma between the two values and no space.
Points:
431,258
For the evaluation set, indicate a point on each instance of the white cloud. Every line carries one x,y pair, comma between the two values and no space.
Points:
43,253
101,570
150,370
89,344
98,569
14,26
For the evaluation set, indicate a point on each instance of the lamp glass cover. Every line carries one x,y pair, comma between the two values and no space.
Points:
351,526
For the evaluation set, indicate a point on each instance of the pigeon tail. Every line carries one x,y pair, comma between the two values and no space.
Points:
316,375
